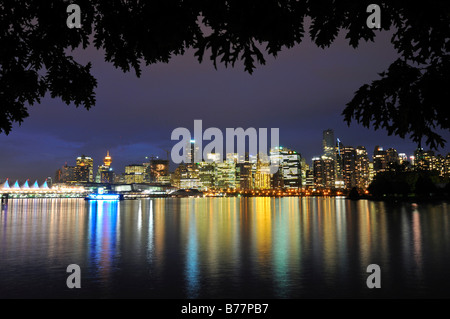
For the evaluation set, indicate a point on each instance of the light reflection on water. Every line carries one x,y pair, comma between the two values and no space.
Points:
224,248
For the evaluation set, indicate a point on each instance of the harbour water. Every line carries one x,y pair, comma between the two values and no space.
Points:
311,247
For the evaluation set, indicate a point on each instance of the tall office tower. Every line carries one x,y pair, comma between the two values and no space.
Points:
66,174
339,175
105,173
304,168
424,160
84,170
432,160
134,174
244,176
438,164
291,168
379,160
261,172
371,172
289,174
447,165
58,176
319,179
191,149
324,174
329,173
309,179
206,175
402,158
107,160
430,157
349,166
329,144
225,175
178,175
157,170
362,168
392,157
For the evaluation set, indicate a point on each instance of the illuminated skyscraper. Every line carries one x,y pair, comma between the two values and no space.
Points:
108,160
329,144
319,179
225,175
447,166
339,180
289,174
190,151
362,168
349,166
134,174
67,174
207,175
324,174
392,157
379,160
157,171
244,176
105,173
402,158
84,170
261,173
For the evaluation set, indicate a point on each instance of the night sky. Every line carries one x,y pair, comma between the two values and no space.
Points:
303,92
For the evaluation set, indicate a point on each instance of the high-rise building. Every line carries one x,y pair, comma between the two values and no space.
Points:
339,179
371,172
309,178
329,144
289,174
207,175
425,160
105,173
108,160
447,166
66,174
362,168
324,174
84,170
244,176
157,170
392,158
191,149
349,166
134,174
261,172
318,171
379,160
58,176
291,168
225,175
402,158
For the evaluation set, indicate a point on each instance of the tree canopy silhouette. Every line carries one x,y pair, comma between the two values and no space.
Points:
409,99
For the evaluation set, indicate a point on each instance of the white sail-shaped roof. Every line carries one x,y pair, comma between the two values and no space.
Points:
6,185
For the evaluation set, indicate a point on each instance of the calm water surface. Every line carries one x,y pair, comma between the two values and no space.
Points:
224,248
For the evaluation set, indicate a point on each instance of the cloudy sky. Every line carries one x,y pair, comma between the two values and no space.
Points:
303,92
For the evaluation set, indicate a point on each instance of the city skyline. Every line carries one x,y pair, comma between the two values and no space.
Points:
86,170
303,92
121,169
